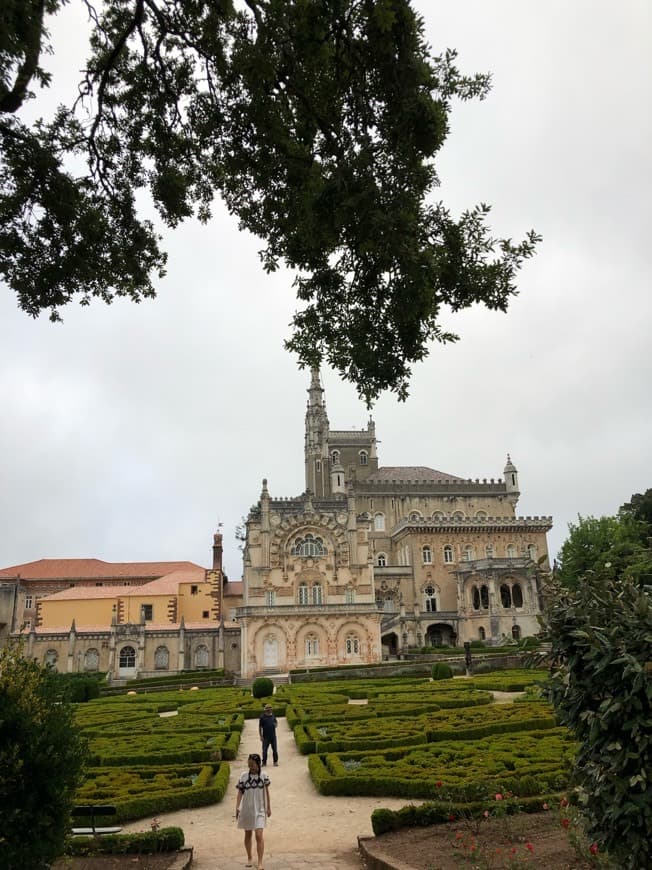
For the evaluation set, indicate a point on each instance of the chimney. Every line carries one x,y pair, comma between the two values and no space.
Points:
217,551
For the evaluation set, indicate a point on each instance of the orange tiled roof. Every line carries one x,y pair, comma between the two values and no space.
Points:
167,585
82,569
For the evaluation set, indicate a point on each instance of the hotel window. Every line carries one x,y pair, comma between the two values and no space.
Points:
379,523
205,614
364,457
381,560
312,645
127,657
317,594
468,554
352,645
349,595
482,634
29,602
511,551
194,590
147,612
269,598
303,594
448,553
335,457
309,546
426,552
430,598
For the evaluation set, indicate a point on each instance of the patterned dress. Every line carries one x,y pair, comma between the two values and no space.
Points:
252,807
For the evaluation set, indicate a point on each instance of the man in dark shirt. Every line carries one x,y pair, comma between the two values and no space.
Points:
267,730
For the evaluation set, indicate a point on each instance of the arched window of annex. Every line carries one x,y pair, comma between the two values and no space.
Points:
335,457
517,595
91,659
201,656
430,598
349,595
516,632
415,516
511,551
505,595
458,515
317,594
352,645
379,522
532,551
438,515
481,515
308,545
312,645
381,560
482,634
448,554
127,657
426,554
302,593
51,658
363,457
161,658
468,554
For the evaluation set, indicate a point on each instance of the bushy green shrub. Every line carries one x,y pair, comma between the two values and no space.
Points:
137,843
262,687
441,671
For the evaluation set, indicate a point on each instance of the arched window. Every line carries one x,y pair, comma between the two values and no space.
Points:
476,598
426,553
335,457
505,595
309,545
481,515
482,634
303,593
484,597
312,645
352,645
448,553
381,560
516,632
91,659
127,657
349,595
364,457
532,551
201,656
161,658
51,658
458,515
438,515
489,551
430,598
511,551
414,516
379,522
468,555
317,597
517,595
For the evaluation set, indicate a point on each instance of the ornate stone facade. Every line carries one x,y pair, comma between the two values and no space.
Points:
375,561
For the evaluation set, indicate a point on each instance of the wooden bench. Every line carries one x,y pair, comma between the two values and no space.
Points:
93,813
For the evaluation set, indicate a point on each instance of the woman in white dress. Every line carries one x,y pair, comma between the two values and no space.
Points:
253,807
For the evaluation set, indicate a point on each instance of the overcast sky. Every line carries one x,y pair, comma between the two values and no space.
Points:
131,431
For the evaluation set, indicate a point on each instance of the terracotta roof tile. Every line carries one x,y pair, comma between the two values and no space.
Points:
80,569
167,585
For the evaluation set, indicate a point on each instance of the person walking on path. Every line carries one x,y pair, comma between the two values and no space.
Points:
267,729
253,807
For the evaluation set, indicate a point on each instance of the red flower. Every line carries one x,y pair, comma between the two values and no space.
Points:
563,802
486,814
529,847
593,848
499,797
565,823
451,818
439,783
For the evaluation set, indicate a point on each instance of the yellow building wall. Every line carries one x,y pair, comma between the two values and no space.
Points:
97,611
130,609
193,606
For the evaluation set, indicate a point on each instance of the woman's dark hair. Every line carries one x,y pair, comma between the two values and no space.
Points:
255,757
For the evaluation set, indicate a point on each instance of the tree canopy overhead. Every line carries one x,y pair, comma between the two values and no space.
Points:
317,123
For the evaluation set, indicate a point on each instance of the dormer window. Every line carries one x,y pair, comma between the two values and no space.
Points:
308,545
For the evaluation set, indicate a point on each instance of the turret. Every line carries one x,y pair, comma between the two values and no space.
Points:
337,478
511,482
316,438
